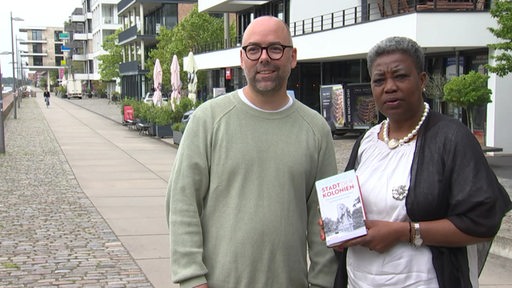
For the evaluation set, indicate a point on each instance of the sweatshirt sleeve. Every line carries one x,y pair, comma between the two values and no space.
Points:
322,270
187,188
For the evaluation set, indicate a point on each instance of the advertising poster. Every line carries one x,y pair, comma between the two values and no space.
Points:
362,111
333,104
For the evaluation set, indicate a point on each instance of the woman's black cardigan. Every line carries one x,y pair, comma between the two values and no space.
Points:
450,178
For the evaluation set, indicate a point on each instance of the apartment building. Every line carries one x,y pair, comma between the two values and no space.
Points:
333,37
141,21
88,27
43,51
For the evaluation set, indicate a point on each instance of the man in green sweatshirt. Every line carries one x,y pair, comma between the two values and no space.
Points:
241,202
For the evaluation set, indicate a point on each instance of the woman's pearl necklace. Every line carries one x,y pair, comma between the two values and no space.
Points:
393,143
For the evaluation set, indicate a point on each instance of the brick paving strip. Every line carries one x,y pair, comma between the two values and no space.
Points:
51,235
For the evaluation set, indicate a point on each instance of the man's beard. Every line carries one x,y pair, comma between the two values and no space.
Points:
267,86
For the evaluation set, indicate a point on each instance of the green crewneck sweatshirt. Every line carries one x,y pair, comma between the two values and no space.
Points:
241,202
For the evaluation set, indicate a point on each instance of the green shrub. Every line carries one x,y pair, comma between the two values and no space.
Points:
178,126
162,115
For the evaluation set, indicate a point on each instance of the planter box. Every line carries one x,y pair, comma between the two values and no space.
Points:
163,131
176,137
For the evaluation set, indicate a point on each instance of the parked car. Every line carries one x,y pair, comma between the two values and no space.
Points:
186,116
149,97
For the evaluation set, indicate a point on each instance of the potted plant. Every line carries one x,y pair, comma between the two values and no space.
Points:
177,132
183,106
162,119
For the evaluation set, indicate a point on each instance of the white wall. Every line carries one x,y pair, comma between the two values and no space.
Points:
498,131
305,9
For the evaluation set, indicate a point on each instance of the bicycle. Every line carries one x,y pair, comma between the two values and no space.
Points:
47,101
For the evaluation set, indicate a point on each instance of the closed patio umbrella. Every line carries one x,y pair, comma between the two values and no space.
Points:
157,83
175,81
191,68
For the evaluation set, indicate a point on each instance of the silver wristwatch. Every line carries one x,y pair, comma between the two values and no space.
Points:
417,241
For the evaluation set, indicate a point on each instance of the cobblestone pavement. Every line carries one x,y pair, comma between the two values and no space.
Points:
50,233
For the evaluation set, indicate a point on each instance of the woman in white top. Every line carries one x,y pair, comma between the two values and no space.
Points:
428,192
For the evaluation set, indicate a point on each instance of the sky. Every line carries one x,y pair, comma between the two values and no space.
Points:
35,13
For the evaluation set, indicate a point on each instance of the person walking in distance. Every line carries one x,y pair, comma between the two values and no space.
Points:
46,95
241,202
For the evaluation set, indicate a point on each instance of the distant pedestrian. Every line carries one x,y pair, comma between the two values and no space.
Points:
46,95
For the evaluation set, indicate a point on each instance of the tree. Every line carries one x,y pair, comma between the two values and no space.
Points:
109,63
468,91
502,12
434,89
54,75
195,30
43,82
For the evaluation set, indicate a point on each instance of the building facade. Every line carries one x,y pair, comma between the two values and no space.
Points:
141,21
42,52
333,37
88,27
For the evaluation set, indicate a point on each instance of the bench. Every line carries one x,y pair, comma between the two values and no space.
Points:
143,128
131,124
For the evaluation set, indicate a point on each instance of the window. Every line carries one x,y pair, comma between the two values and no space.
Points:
37,48
37,35
38,60
58,60
277,8
58,49
56,36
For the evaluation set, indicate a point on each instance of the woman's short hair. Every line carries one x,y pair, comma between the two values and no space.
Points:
397,44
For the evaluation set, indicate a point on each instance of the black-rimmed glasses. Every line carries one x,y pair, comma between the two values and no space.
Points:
274,51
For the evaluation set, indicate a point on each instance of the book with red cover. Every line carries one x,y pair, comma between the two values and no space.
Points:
341,207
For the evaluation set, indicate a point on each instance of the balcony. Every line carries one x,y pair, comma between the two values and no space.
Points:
125,4
31,41
149,6
82,36
381,10
128,35
355,31
132,34
78,18
131,68
228,5
79,57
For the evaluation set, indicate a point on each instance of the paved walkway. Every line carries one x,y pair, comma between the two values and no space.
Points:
83,200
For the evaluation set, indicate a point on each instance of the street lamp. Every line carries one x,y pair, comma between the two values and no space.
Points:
13,67
2,141
2,138
20,67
